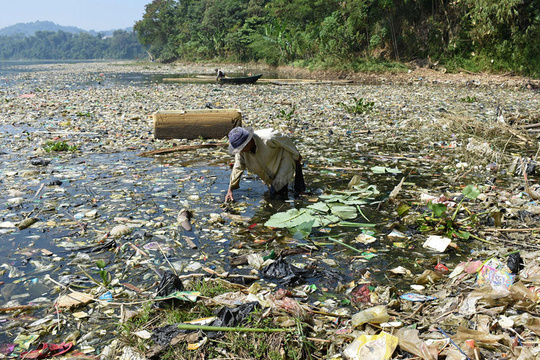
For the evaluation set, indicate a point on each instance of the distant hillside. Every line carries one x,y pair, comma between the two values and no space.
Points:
29,29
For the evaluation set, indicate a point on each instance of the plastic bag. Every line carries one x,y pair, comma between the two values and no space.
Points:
372,347
376,314
230,317
169,284
515,263
163,335
286,273
409,341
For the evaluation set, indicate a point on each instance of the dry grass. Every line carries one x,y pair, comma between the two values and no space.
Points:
479,141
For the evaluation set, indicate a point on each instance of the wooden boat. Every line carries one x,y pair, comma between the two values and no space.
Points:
240,80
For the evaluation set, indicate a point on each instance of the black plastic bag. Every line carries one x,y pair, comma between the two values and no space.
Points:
231,317
169,284
515,263
164,335
286,273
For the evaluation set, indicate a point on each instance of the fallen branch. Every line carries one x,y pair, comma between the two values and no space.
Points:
513,132
346,245
181,148
233,329
530,126
21,307
227,275
533,246
512,230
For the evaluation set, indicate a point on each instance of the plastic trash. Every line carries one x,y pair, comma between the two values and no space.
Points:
410,342
184,219
417,297
169,284
515,263
428,277
285,272
372,347
231,317
376,315
496,274
437,243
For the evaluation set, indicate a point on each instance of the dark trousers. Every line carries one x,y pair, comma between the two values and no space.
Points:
299,185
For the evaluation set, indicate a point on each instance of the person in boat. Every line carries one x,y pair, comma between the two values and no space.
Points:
219,74
270,155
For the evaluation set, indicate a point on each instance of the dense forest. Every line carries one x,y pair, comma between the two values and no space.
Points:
61,45
477,35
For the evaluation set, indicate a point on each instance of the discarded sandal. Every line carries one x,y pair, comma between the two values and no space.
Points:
46,350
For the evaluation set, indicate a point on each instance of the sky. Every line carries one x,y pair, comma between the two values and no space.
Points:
99,15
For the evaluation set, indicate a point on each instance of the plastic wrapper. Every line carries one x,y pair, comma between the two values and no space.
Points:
409,341
372,347
479,336
496,274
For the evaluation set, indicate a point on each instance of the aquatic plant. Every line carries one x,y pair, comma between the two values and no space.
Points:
359,106
63,145
103,273
441,221
469,99
286,115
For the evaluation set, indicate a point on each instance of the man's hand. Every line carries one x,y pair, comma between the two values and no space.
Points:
229,196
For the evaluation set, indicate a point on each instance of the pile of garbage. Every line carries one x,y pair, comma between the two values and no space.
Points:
414,240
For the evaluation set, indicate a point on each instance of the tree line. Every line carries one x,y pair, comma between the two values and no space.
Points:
61,45
477,35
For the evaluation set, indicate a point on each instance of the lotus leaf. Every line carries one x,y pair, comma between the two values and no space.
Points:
303,230
319,206
344,211
294,217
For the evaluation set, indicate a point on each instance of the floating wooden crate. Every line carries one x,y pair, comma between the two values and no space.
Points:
194,124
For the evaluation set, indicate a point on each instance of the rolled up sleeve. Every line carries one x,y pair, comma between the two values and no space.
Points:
237,171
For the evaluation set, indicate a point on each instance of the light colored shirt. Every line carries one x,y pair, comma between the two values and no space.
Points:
274,159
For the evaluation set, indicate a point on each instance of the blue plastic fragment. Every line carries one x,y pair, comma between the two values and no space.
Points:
417,297
107,296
